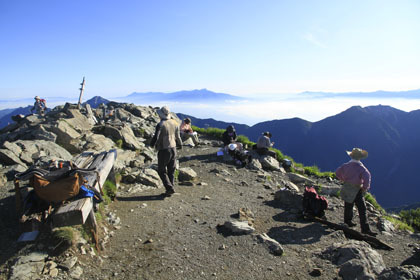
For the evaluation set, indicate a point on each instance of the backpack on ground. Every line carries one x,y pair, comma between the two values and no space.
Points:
241,157
314,204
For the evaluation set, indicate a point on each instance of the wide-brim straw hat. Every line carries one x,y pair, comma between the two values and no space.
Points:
164,113
357,154
36,97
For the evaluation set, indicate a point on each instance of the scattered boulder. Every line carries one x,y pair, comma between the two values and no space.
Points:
405,272
238,227
149,177
300,179
289,198
271,163
29,266
356,259
186,174
274,247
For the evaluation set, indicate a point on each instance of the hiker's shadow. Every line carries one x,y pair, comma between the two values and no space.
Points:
141,198
308,234
203,158
9,229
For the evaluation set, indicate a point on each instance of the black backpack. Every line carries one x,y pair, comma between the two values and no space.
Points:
314,204
242,156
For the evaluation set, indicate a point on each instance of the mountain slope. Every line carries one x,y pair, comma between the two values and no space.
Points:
391,136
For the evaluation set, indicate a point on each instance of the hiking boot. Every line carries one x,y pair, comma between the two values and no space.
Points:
369,232
169,193
351,224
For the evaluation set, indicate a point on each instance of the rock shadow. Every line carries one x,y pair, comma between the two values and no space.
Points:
413,260
141,198
203,158
309,234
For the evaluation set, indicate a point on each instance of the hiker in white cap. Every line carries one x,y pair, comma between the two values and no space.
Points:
165,140
356,178
40,106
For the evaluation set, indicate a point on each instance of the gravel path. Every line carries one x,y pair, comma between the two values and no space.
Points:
180,238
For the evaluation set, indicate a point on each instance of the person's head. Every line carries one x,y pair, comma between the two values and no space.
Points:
268,134
187,120
230,128
357,154
164,113
37,97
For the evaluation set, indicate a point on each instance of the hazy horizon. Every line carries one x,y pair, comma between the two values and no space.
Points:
251,111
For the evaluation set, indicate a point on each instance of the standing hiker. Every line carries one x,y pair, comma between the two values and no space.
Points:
165,140
40,106
356,178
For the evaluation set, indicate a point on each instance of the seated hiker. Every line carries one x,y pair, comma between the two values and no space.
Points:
187,132
264,144
40,106
356,178
229,137
240,156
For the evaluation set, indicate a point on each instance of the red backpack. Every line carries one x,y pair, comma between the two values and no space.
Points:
314,204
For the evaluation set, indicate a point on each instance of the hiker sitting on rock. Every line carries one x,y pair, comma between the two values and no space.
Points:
40,106
165,140
229,137
264,144
187,132
356,178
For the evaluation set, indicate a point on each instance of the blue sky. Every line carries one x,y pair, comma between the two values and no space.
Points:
238,47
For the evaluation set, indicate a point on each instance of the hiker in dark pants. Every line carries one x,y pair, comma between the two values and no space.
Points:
165,140
356,178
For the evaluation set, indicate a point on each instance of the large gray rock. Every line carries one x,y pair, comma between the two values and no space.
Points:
406,272
124,158
78,121
356,260
98,142
271,163
149,177
255,164
186,174
67,136
7,157
130,140
289,198
40,133
40,148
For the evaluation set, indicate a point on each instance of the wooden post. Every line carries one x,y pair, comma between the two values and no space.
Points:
82,88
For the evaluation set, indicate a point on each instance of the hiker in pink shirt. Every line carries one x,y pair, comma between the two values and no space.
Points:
356,178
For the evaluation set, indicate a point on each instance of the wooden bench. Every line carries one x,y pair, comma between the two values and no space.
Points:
80,211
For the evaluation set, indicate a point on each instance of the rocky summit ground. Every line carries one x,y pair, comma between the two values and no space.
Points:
181,237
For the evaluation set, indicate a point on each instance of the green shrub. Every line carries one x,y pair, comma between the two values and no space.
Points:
210,131
401,225
372,200
176,174
110,191
411,217
119,143
64,235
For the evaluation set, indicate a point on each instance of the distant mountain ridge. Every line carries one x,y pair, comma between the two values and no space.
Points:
391,136
184,96
408,94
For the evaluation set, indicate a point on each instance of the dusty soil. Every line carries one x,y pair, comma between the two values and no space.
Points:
179,237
